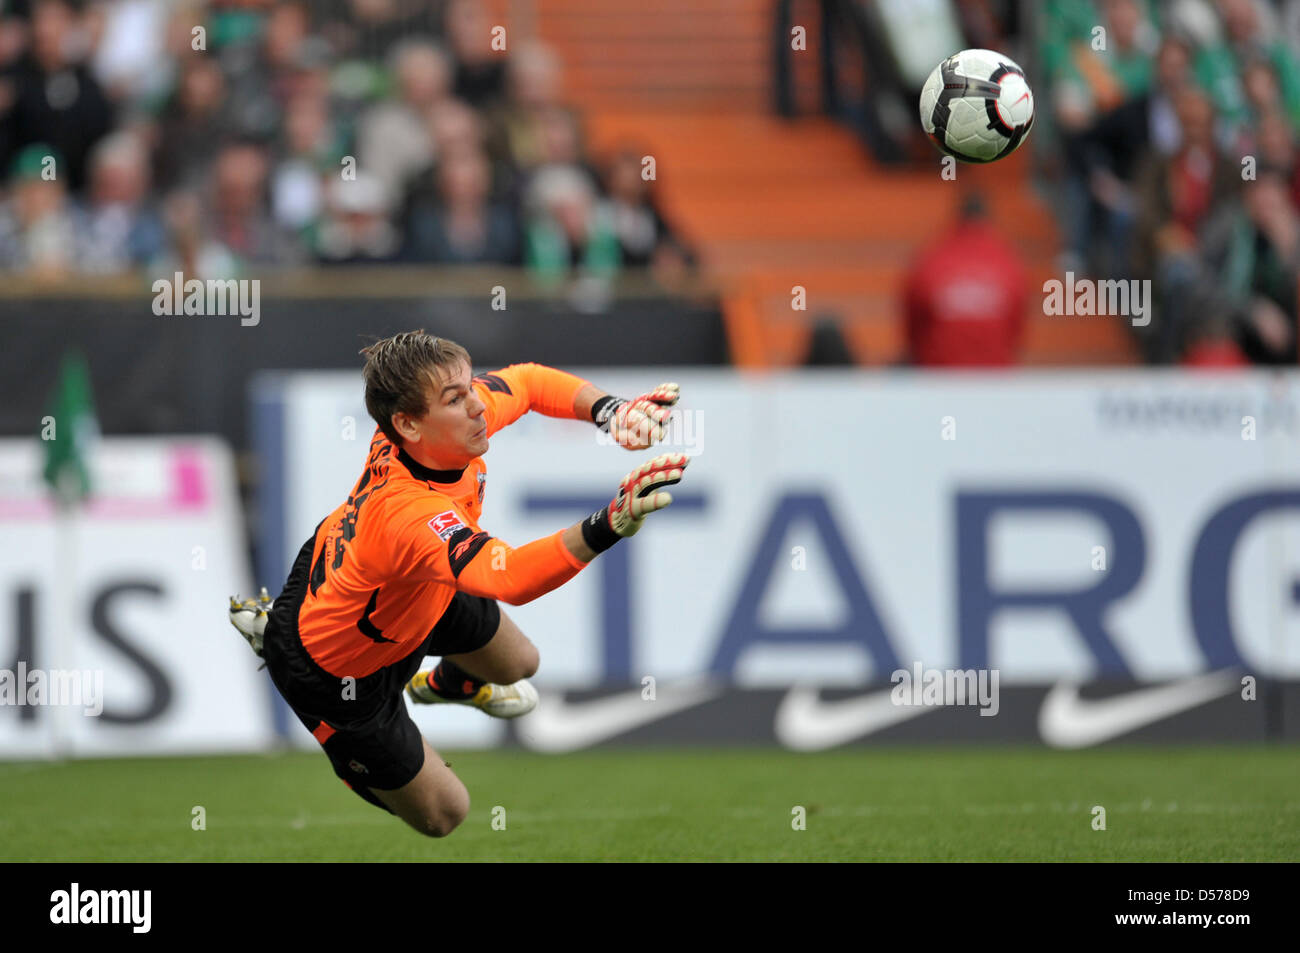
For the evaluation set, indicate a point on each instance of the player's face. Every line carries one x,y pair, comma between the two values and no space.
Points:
454,429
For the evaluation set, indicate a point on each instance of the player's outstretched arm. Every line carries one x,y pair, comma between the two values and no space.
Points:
640,493
487,567
634,424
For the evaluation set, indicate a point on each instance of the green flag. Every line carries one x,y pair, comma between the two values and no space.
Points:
69,431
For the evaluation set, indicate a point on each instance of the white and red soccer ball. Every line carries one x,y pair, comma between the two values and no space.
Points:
976,106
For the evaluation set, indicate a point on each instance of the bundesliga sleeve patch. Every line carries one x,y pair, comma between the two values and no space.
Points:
446,524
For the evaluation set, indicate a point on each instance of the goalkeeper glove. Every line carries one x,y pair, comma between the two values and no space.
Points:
637,423
639,494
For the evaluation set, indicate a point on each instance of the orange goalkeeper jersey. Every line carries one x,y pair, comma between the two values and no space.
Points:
387,561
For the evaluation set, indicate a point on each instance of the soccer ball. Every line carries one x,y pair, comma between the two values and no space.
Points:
976,106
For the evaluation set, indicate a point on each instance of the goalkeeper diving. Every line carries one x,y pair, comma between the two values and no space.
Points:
402,570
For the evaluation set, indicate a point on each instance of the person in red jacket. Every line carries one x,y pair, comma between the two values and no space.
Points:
964,297
402,569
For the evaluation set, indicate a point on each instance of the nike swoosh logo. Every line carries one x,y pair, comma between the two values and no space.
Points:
556,725
1067,721
806,723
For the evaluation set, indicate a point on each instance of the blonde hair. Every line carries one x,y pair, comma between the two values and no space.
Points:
399,371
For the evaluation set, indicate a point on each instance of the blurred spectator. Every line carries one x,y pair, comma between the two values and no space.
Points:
1263,98
865,57
534,125
193,122
1110,155
310,157
567,230
480,70
357,229
1290,25
1091,81
1214,346
964,297
462,225
644,237
1221,66
53,97
1101,98
191,249
268,68
1176,196
36,228
455,128
238,210
130,58
1275,147
13,35
1260,84
370,28
1173,74
559,137
393,138
117,227
826,344
1253,253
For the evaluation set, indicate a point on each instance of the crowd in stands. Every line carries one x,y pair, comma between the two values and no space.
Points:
226,137
1176,126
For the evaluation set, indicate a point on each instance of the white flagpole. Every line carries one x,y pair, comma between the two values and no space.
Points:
64,612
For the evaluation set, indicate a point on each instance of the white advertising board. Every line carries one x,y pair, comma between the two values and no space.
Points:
114,638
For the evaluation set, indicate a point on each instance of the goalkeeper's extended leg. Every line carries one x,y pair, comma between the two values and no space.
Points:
435,687
493,679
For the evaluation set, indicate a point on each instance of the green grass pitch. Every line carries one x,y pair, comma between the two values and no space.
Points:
938,804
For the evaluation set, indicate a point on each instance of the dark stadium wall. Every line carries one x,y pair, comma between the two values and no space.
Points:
159,375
